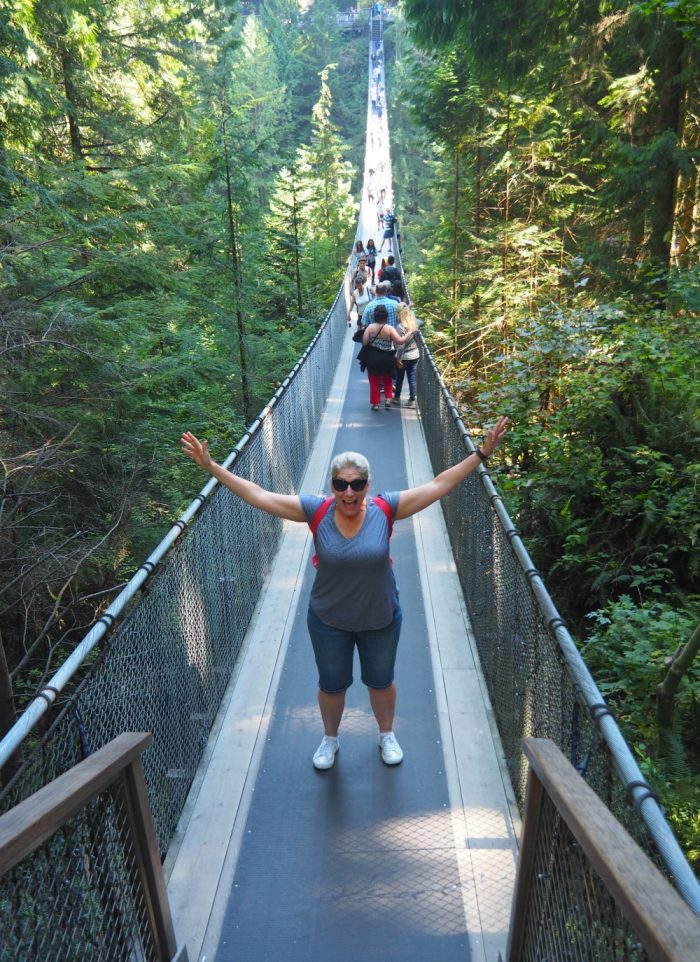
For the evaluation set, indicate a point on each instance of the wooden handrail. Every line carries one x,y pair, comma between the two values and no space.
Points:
666,927
33,821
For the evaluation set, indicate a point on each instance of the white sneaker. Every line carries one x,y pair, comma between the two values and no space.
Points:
324,756
390,749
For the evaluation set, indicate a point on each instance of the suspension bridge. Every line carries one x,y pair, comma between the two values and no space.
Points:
170,809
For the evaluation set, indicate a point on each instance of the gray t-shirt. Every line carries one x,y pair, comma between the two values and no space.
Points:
354,588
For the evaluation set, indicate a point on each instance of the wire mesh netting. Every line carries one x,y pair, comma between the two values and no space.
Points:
572,916
78,895
537,682
531,688
165,668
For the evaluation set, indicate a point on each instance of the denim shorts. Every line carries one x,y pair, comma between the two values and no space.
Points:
334,650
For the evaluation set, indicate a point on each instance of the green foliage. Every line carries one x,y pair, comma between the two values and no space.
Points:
684,13
311,219
627,650
141,143
607,419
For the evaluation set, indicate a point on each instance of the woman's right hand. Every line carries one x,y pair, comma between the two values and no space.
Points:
197,450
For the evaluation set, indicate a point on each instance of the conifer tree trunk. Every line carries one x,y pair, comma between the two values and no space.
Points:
71,100
238,284
455,254
478,226
506,219
686,194
297,259
477,230
661,216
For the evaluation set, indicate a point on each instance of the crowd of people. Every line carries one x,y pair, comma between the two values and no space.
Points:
386,325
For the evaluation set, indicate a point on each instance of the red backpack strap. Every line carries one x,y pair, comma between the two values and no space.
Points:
319,515
386,508
322,511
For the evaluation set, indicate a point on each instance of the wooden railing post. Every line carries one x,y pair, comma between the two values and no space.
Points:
644,900
135,797
117,768
526,860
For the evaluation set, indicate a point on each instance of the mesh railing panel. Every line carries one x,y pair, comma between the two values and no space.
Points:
535,686
571,916
531,689
164,669
78,895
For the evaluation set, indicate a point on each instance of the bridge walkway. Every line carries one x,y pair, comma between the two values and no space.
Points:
276,861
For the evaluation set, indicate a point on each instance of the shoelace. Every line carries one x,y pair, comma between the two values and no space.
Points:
327,747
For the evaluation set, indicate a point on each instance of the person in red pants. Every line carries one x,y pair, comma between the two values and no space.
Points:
381,340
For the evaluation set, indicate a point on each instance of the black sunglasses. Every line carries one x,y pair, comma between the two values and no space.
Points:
357,484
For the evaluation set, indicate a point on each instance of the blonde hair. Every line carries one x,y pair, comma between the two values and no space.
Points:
350,459
406,318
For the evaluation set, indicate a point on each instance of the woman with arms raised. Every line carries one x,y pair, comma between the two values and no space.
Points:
354,599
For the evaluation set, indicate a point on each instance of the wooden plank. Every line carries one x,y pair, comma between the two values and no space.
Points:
30,823
148,862
666,926
523,879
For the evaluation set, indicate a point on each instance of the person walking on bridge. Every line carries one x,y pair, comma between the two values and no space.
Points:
380,340
382,299
359,299
407,355
392,274
389,229
354,599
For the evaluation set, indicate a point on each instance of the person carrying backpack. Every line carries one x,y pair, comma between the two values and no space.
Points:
354,600
392,274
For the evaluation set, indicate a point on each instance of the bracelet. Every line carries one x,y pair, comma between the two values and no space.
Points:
481,454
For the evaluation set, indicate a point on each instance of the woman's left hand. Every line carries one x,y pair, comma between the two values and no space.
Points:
493,438
197,450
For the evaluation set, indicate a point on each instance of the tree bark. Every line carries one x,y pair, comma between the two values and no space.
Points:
686,192
666,691
7,715
506,220
455,254
71,99
662,213
238,285
477,230
297,259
